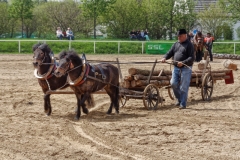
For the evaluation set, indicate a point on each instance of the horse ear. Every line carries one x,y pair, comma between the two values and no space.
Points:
71,65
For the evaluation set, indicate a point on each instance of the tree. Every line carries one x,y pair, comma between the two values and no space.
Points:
232,7
212,19
21,9
3,18
60,14
238,32
96,8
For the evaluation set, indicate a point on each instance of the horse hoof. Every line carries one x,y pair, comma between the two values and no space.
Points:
109,112
48,113
85,111
76,118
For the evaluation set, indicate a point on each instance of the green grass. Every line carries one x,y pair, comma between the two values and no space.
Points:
101,47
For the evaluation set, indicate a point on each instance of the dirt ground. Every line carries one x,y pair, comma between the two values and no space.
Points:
205,130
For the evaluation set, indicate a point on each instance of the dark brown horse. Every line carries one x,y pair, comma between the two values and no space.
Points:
198,42
44,64
85,79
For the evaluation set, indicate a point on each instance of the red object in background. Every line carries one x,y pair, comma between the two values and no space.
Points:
231,80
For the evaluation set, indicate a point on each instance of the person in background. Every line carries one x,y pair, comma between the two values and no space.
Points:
146,35
190,36
59,33
199,44
133,35
70,35
142,35
182,53
209,42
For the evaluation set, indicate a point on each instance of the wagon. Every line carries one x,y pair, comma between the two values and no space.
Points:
203,79
150,93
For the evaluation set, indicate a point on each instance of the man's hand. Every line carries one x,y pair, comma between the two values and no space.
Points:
163,60
179,64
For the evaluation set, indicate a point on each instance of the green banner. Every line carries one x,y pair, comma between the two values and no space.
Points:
158,48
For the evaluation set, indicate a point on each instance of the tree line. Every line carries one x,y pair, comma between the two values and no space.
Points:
162,18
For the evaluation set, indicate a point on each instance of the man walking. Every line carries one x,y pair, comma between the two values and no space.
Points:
182,52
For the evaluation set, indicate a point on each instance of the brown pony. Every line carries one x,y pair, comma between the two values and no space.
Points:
85,79
198,42
44,64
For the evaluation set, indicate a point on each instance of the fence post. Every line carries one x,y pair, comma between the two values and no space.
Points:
118,47
69,46
234,48
142,47
94,46
19,46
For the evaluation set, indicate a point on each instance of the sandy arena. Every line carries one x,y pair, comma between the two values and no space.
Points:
205,130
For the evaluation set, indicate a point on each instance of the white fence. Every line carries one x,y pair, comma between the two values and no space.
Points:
142,43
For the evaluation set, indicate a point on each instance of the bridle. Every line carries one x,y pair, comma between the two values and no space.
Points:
80,79
48,73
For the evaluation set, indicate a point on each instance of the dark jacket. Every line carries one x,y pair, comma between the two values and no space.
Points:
183,52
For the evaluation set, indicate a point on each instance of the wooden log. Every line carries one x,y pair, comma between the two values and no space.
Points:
133,71
214,71
142,77
126,84
129,78
140,83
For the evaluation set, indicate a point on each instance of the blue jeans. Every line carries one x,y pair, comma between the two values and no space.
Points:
181,78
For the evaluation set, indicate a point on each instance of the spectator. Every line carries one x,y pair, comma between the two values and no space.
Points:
146,35
70,35
133,35
139,34
142,35
190,36
59,33
182,53
209,42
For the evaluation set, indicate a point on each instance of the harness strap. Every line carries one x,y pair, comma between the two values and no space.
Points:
80,78
102,72
85,76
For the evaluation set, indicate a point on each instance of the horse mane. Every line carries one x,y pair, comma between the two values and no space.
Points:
44,47
70,55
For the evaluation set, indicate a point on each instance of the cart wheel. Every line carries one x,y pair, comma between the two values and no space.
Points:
207,87
170,93
123,100
205,55
160,98
151,97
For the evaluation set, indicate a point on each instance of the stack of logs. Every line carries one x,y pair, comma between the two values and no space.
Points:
138,78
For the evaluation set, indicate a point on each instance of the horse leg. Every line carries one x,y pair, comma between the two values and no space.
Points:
113,93
81,102
116,99
47,104
84,108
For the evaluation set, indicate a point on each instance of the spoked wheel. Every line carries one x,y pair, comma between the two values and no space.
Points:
123,100
206,53
170,93
151,97
207,87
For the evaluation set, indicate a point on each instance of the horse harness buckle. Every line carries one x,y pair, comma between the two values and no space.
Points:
96,73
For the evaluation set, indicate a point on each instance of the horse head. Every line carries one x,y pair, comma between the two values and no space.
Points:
68,61
41,54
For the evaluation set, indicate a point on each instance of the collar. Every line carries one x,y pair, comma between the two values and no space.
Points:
48,74
82,77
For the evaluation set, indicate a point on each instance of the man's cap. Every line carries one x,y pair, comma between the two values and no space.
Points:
181,31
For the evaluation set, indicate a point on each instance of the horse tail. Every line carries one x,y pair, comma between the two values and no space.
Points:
90,101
